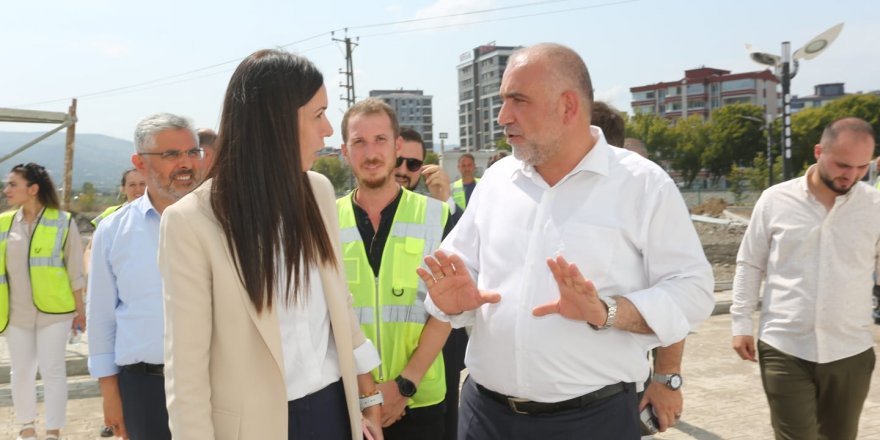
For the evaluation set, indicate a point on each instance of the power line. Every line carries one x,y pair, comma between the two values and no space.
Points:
166,80
491,20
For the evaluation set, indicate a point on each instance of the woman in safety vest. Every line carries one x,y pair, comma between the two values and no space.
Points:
41,284
134,185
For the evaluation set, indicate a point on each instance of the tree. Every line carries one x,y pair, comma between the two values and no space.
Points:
432,158
655,132
734,138
691,136
335,170
807,125
86,199
502,145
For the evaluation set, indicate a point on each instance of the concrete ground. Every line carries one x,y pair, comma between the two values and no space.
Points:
723,394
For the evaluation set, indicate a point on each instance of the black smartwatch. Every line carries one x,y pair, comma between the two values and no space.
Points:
406,387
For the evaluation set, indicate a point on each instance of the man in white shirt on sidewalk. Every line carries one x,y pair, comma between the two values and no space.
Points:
572,260
815,242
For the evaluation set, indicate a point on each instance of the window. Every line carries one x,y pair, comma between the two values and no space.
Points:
643,96
738,84
696,89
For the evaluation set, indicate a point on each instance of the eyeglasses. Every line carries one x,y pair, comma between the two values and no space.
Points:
171,155
412,165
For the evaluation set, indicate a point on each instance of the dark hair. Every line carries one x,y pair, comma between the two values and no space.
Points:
466,155
496,157
36,174
125,175
411,135
207,137
610,121
260,195
370,106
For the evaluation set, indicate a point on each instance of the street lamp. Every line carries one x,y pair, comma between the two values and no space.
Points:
782,63
766,122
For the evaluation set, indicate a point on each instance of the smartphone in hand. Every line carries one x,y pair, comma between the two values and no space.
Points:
650,424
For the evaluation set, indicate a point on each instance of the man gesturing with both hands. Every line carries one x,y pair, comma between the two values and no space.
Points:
593,262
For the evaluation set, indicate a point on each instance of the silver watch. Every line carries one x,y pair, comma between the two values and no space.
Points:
372,400
611,305
673,381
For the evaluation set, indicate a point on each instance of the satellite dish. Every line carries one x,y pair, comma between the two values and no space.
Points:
818,44
765,58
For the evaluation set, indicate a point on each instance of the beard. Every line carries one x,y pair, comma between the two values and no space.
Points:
832,185
406,182
376,181
533,154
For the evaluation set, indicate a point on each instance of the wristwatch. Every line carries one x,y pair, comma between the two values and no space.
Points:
406,387
611,305
673,381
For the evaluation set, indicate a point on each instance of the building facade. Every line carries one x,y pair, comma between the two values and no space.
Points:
414,110
704,90
823,94
479,79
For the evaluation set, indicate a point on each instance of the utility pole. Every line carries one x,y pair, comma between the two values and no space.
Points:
68,157
349,70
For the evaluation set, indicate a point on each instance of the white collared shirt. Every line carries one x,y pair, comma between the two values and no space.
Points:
818,270
311,361
622,220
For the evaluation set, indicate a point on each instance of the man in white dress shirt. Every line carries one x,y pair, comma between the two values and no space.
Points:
572,260
814,241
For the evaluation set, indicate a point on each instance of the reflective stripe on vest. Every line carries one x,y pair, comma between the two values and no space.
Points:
50,285
390,307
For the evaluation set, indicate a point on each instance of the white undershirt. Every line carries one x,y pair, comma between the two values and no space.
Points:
310,359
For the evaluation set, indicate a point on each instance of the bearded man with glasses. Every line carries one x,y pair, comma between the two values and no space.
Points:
124,309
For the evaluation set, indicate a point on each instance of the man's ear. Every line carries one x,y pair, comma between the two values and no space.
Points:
570,105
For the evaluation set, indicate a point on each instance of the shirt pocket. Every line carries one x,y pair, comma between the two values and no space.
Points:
592,248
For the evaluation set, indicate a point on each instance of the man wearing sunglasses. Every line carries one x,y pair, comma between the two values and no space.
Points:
386,232
409,169
124,310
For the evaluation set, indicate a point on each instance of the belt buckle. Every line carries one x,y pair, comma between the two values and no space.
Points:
512,401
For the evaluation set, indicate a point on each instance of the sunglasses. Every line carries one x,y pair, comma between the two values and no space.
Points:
412,165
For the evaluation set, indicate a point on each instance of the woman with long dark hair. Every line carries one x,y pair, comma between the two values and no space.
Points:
41,283
260,337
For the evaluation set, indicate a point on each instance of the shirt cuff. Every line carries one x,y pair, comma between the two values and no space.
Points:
366,358
452,206
464,319
103,365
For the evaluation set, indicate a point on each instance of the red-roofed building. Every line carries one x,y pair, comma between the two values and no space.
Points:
704,90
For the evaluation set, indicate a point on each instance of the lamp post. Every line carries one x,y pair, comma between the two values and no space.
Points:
766,122
785,73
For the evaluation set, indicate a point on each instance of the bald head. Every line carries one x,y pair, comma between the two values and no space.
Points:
851,125
565,68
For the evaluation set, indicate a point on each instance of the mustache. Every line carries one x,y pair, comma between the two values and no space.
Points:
512,131
374,162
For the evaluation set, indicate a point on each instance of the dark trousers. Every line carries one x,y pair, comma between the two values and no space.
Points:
453,360
481,418
815,401
320,415
143,405
425,423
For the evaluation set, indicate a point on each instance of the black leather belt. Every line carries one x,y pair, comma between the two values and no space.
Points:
525,406
145,368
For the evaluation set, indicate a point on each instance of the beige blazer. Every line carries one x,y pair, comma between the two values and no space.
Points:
224,377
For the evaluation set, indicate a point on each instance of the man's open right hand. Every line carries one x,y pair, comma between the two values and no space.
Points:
450,285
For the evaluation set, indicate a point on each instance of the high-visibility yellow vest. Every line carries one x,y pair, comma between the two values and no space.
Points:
458,195
390,307
50,285
104,214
